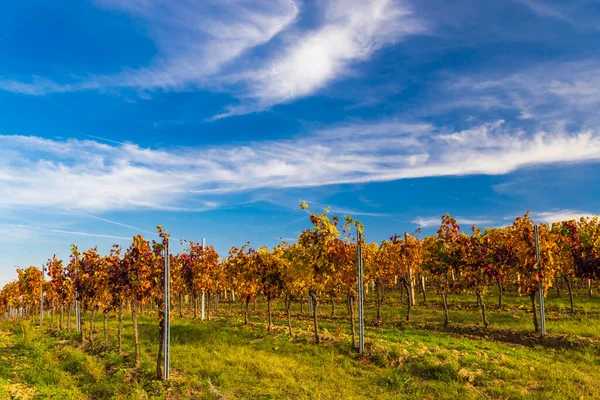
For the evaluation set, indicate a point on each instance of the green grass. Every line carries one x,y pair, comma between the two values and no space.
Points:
224,358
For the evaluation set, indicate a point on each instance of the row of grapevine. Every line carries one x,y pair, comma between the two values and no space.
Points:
320,265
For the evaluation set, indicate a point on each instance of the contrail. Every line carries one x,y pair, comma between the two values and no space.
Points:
112,222
87,234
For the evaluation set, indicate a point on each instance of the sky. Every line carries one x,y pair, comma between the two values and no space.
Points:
216,118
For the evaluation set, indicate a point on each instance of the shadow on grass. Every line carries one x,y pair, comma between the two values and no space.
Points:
529,339
216,331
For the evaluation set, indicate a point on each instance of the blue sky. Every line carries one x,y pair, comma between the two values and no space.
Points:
216,118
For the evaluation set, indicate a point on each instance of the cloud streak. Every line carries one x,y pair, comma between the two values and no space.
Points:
545,10
429,222
14,233
579,14
257,51
349,211
559,215
563,92
351,32
194,40
113,222
19,233
78,233
94,177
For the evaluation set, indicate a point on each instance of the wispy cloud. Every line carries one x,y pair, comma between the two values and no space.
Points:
546,93
428,222
194,40
351,31
212,45
293,204
559,215
113,222
92,176
78,233
20,233
545,10
349,211
365,200
451,197
15,233
580,14
288,239
468,221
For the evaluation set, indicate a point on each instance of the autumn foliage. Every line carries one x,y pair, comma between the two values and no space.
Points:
319,266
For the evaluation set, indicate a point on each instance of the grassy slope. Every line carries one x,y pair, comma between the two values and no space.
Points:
225,359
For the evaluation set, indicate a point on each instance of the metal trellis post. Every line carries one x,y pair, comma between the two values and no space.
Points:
540,285
77,310
361,321
167,316
203,293
42,299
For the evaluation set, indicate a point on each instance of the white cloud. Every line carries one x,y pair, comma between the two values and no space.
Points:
209,45
545,10
15,233
194,40
78,233
546,93
88,175
20,233
581,14
559,215
428,222
468,221
351,31
114,222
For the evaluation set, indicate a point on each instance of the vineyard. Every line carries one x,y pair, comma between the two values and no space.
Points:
452,314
